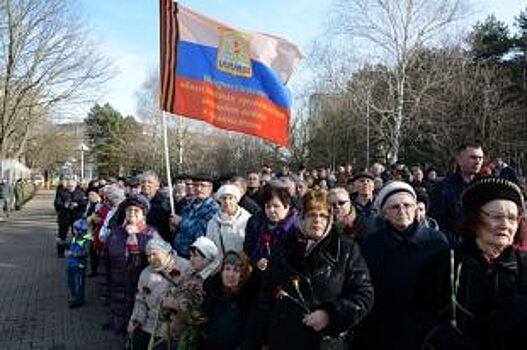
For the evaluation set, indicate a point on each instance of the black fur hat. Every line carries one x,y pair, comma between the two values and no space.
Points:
486,189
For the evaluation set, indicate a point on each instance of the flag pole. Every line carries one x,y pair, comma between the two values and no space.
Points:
167,163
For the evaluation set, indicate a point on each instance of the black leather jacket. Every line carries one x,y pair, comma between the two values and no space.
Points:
333,277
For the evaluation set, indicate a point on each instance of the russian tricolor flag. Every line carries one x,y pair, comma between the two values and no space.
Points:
227,77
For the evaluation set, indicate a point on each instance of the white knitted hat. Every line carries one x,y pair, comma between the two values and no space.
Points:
390,189
206,247
229,190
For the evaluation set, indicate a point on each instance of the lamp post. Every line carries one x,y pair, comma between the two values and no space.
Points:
82,148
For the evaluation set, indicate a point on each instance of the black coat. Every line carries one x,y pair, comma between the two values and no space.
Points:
333,277
398,262
249,204
226,315
256,197
158,216
492,296
69,205
445,204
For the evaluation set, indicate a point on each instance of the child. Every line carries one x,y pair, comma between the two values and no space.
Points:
164,271
77,258
203,258
185,301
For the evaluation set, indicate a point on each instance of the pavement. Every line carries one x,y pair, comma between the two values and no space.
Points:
34,310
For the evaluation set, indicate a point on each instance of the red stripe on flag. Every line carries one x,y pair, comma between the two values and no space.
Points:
232,110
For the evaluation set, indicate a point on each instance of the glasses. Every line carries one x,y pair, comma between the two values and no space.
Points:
339,203
498,218
402,207
313,216
201,184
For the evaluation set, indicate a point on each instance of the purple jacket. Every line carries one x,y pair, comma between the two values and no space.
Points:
119,275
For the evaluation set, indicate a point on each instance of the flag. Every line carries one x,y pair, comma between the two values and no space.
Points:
230,78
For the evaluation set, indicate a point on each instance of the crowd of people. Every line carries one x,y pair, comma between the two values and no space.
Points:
315,259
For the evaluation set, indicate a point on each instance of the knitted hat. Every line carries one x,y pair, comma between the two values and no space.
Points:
159,245
80,227
389,190
486,189
206,247
137,200
229,190
232,258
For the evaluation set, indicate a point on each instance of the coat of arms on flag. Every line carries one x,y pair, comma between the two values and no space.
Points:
230,78
234,53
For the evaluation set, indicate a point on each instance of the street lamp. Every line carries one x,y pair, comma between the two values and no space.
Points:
83,148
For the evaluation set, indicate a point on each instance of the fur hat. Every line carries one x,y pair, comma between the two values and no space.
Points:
229,190
486,189
362,175
206,247
389,190
137,200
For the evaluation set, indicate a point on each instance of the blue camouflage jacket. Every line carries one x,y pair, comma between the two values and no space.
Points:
194,219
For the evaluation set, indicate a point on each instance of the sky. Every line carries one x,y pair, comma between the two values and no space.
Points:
127,31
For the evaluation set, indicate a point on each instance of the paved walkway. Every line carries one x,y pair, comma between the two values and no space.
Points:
33,294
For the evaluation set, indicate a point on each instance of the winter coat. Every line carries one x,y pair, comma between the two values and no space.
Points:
249,204
69,206
153,286
159,214
194,219
445,204
228,233
496,295
119,273
365,210
398,262
256,197
79,250
261,236
226,314
492,296
332,277
261,240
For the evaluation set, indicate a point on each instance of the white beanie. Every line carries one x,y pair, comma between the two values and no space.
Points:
206,247
390,189
229,190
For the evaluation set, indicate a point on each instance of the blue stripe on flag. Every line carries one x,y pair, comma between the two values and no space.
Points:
197,61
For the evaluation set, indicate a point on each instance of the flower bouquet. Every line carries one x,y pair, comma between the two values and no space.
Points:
189,317
299,301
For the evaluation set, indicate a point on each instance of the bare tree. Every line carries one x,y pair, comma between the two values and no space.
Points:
398,28
45,59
